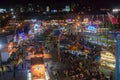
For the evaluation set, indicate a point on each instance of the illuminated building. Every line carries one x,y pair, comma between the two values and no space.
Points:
30,7
47,9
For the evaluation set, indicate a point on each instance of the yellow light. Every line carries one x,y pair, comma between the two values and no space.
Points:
3,17
7,15
19,24
77,24
38,71
3,30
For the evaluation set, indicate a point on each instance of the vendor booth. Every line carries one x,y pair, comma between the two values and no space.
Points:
38,69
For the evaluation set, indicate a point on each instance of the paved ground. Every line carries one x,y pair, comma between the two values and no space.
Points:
54,65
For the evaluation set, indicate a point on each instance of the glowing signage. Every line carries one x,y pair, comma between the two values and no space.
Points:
91,28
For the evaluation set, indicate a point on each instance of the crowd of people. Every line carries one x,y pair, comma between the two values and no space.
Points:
80,67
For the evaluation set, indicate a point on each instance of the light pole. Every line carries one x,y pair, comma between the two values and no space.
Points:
58,44
0,53
0,59
0,46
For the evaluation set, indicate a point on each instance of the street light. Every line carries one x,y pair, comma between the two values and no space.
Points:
58,45
0,46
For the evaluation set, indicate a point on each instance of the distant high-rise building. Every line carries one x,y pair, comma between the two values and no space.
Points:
47,9
3,10
67,8
21,10
37,9
30,7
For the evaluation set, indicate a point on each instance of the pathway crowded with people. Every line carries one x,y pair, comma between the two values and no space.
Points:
73,59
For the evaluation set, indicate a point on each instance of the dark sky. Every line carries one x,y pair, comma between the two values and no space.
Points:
5,3
60,2
32,1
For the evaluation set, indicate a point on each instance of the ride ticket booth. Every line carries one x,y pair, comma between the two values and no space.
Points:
38,68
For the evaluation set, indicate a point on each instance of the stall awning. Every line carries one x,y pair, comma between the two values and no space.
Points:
37,60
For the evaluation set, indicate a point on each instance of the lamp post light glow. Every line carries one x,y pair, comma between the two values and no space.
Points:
0,62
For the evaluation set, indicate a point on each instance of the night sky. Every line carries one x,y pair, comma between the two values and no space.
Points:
94,3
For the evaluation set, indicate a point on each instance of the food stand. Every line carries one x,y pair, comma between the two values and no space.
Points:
108,60
38,68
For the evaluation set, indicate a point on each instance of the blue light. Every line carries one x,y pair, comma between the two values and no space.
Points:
22,36
91,28
0,46
35,26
